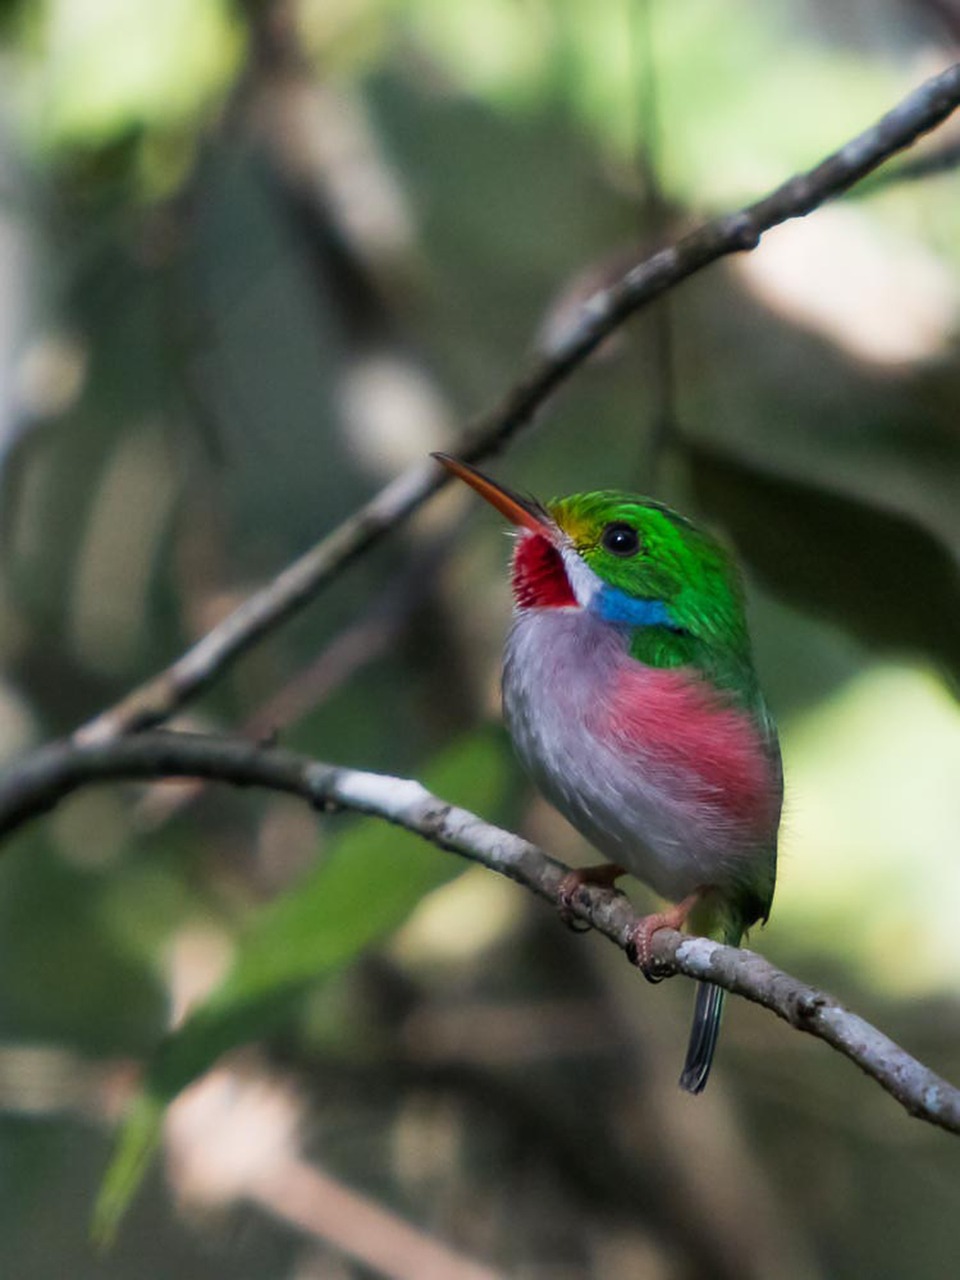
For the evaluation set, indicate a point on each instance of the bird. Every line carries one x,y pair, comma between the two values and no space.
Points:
630,693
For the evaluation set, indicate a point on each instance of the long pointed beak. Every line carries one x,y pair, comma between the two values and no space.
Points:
525,512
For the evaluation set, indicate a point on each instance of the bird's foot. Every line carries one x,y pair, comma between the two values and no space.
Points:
605,876
640,944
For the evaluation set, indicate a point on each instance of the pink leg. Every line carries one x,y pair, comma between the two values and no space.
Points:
605,875
641,940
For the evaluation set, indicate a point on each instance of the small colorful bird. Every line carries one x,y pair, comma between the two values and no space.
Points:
630,695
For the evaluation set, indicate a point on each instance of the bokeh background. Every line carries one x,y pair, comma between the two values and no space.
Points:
255,257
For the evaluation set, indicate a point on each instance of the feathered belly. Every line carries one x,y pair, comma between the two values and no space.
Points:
651,766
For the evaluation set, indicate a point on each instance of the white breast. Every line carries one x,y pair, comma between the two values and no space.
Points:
556,666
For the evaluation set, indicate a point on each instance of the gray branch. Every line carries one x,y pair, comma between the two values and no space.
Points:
46,777
267,608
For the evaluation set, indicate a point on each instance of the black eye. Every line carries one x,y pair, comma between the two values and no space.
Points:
620,539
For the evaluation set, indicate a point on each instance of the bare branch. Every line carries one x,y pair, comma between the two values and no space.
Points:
196,669
52,773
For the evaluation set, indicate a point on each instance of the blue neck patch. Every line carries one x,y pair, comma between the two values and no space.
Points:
613,605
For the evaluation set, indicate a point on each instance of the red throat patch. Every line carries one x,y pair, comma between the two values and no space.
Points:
539,579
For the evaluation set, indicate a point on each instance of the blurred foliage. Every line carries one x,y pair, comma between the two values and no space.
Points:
258,255
370,879
839,557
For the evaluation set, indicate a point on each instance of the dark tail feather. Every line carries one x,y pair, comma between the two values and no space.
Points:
703,1037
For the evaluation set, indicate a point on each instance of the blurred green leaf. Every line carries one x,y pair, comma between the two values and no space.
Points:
110,65
371,879
66,974
877,572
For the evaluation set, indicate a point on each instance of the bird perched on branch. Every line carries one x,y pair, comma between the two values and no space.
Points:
630,694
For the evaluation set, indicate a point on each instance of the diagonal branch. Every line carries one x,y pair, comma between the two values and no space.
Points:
266,609
45,778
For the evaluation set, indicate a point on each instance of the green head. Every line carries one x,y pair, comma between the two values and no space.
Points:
647,566
630,561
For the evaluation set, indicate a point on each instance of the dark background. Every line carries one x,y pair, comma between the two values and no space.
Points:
255,258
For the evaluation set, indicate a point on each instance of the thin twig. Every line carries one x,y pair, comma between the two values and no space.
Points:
46,777
196,669
316,1203
236,1136
931,162
360,643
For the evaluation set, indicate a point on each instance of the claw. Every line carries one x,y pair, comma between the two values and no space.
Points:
605,876
640,943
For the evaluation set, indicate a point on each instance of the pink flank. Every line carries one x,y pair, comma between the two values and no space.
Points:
678,726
